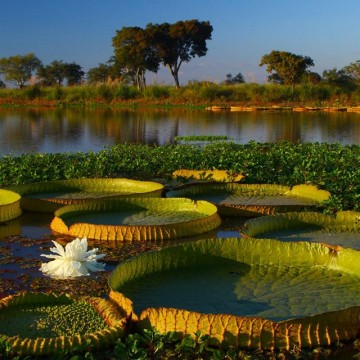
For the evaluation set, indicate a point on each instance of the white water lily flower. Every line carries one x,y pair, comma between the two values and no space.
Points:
72,261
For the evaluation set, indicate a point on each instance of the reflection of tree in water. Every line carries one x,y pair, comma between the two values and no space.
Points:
59,130
136,126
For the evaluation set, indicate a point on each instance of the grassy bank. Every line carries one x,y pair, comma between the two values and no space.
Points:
332,167
196,93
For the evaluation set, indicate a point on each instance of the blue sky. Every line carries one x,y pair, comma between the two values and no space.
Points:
244,30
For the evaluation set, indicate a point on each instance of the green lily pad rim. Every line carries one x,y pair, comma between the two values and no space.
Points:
10,197
107,187
319,329
349,220
10,207
309,192
84,184
248,250
183,228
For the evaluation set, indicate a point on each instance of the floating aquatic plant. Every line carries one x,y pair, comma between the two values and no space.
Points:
9,205
50,195
47,324
136,219
73,260
251,200
310,226
285,294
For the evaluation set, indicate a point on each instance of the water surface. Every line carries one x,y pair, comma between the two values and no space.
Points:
62,130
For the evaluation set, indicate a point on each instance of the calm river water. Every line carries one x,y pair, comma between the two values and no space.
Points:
62,130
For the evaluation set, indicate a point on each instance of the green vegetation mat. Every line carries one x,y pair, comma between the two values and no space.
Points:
331,167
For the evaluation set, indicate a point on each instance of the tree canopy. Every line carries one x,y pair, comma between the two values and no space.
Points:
339,78
135,53
138,50
237,79
52,74
99,74
57,71
73,73
288,67
19,68
180,42
353,70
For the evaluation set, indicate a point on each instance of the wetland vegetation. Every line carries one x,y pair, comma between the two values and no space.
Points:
331,167
195,94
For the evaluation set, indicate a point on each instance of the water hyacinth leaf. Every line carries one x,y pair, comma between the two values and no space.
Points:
207,175
136,219
340,230
49,196
251,200
279,279
46,324
9,205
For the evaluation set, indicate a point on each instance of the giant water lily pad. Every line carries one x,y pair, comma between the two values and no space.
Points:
250,200
340,230
49,196
46,324
136,219
257,293
9,205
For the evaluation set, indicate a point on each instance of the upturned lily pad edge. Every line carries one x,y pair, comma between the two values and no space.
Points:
50,204
10,207
311,195
209,220
343,220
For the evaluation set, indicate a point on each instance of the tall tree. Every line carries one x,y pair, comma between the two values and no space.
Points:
19,68
353,70
237,79
289,67
56,72
275,79
73,73
135,54
180,42
52,74
338,78
311,77
99,74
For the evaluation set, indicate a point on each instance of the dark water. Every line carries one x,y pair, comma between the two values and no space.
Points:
62,130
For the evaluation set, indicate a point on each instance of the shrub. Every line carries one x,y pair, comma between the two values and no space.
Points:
156,92
125,92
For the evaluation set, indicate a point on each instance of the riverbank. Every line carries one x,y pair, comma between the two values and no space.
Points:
36,103
282,108
245,97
